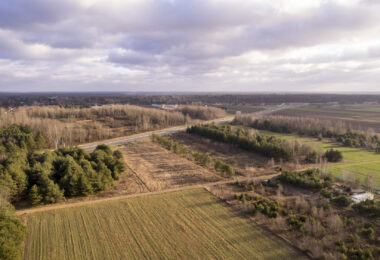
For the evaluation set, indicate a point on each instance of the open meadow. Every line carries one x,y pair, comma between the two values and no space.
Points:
355,161
188,224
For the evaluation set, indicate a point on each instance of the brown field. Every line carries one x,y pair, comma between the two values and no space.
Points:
245,163
159,169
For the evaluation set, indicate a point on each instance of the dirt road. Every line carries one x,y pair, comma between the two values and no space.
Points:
23,212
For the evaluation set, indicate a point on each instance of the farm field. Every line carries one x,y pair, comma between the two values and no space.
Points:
187,224
355,160
159,169
361,116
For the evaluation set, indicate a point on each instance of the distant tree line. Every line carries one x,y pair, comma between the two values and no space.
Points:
315,128
202,159
244,138
88,99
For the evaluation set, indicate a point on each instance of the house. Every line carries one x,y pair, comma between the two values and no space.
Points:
363,196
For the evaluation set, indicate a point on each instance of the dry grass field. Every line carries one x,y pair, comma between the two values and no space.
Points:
159,169
245,163
190,224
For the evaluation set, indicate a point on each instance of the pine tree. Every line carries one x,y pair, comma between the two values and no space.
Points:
34,195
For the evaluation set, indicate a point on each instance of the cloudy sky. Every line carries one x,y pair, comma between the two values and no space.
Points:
190,45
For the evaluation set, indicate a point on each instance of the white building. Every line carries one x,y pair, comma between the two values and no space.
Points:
359,197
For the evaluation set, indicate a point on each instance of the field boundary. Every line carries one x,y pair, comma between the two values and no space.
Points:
23,212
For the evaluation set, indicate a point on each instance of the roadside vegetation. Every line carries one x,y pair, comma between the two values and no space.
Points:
202,159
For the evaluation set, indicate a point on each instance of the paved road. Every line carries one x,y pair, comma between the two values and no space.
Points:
166,131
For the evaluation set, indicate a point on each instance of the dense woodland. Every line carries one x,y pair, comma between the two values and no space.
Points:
313,127
250,140
74,125
48,177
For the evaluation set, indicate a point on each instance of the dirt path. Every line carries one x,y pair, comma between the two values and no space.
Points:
23,212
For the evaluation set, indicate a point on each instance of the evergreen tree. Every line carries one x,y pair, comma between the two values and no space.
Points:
34,195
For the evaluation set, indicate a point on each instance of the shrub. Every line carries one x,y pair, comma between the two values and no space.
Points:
267,207
342,200
297,223
333,155
368,208
306,179
369,233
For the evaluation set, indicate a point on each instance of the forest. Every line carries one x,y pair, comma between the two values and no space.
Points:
50,176
314,127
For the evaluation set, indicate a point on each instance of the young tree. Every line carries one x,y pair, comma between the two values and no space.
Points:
371,182
34,195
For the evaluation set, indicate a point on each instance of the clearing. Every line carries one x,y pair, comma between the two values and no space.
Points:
186,224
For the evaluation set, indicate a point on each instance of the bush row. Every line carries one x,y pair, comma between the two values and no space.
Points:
202,159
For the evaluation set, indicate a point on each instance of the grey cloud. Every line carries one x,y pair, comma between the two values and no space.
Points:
182,39
22,14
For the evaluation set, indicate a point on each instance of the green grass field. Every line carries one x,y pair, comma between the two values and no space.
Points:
190,224
355,160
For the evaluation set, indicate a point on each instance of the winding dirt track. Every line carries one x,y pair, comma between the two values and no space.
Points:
22,212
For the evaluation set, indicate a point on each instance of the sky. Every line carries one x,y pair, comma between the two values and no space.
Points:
190,45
